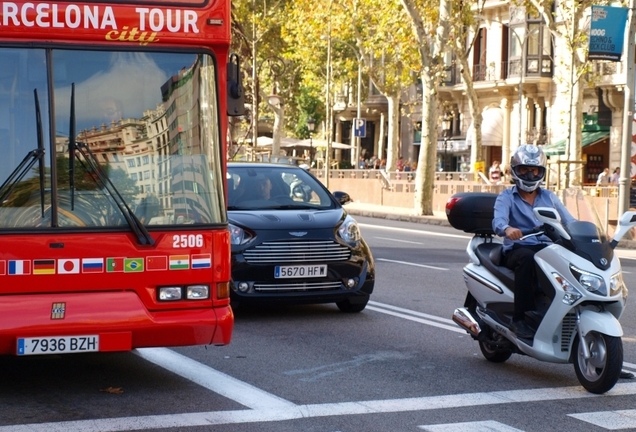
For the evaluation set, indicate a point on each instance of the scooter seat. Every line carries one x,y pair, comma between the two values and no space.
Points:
490,256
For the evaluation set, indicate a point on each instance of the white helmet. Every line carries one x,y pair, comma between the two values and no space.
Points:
522,161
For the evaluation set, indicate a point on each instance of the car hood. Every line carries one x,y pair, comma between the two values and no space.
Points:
286,219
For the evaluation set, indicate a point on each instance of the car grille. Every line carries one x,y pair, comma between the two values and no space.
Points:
296,286
297,251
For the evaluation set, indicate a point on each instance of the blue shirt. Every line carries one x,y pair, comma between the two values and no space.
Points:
513,211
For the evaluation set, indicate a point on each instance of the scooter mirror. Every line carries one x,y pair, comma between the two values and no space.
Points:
626,222
549,213
549,216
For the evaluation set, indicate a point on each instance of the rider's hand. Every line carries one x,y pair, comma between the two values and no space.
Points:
513,233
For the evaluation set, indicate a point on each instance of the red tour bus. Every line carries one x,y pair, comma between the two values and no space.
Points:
113,229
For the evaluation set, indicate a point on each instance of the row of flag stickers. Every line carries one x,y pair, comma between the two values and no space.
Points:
108,265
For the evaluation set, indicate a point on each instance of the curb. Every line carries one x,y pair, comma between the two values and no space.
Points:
434,220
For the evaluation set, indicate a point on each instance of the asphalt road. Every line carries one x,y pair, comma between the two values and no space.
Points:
400,365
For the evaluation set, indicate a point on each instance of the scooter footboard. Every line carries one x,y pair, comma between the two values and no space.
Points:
602,322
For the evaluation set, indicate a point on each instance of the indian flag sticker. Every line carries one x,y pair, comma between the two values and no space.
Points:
201,261
179,262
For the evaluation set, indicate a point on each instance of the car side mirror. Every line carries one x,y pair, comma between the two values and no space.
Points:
342,197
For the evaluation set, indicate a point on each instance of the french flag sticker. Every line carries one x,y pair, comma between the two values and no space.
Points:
19,267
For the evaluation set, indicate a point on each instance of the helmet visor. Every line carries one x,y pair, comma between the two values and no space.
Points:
529,173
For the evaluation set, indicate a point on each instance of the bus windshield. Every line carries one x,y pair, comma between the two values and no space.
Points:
148,120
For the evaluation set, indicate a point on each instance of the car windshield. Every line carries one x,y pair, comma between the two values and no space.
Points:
275,187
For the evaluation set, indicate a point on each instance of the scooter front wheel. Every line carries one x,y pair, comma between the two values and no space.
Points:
601,371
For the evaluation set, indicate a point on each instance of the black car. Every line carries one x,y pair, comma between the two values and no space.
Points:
292,241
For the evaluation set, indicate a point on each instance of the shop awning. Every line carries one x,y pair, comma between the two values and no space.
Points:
587,138
491,128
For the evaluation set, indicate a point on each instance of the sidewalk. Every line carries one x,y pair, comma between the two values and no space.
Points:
627,247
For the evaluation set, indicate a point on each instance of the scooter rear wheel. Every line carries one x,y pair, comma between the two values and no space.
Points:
601,371
493,355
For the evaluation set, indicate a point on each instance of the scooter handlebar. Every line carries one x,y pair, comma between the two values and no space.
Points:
536,231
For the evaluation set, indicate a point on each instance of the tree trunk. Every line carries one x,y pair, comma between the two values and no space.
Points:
476,150
425,175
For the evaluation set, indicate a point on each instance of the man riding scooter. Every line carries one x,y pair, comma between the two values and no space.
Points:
513,214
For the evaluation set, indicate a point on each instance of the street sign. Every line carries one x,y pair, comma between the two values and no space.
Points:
360,127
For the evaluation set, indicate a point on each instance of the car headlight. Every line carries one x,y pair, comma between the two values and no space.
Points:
617,285
571,295
238,235
590,281
349,230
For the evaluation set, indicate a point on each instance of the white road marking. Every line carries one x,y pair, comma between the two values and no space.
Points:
407,230
399,241
478,426
610,420
411,312
425,403
218,382
411,264
453,328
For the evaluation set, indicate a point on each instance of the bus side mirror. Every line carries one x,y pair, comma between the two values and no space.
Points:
235,91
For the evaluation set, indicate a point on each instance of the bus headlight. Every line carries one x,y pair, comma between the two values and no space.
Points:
197,292
170,293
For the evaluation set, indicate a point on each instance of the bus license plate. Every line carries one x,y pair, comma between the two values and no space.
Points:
284,272
58,345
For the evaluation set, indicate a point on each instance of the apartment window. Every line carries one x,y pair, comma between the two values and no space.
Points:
530,44
479,56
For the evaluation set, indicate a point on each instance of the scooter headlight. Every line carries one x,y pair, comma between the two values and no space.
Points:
590,281
571,295
617,286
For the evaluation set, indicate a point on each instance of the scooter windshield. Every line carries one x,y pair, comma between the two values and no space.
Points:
589,239
583,209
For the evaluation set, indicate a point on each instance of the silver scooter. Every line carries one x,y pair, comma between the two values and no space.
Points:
580,293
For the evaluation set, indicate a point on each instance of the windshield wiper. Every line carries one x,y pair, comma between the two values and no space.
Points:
40,135
143,236
29,160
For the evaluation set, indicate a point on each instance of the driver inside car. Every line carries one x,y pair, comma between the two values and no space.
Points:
513,213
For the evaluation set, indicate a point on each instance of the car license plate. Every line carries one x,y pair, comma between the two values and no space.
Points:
58,344
284,272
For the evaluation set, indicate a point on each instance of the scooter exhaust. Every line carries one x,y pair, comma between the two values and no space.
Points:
465,320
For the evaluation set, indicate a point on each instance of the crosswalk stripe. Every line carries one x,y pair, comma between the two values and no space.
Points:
610,420
281,413
478,426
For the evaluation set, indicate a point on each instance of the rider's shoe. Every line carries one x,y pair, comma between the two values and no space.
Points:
626,375
521,329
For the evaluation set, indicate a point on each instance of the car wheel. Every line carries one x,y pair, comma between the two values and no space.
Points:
349,307
236,306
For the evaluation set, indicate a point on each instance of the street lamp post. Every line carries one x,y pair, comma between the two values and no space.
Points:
446,132
311,124
355,154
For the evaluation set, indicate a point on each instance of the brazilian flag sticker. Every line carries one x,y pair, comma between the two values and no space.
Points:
133,265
